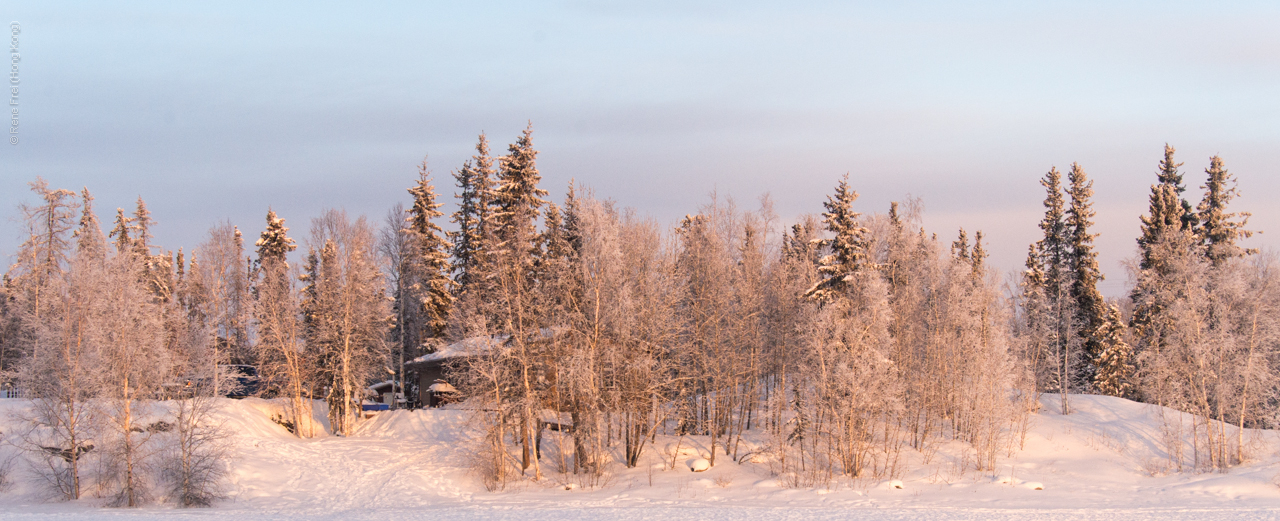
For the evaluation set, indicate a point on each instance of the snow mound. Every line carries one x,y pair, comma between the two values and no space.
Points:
1105,459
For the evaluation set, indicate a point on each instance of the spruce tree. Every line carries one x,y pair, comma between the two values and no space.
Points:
1037,323
518,199
140,230
1171,177
276,314
1219,230
1168,235
1114,368
1167,210
1053,253
433,286
89,238
121,232
556,267
978,258
1091,311
474,215
273,290
518,202
274,244
960,248
848,246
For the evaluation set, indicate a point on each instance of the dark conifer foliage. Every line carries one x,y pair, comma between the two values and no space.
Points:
848,246
432,285
474,215
1219,230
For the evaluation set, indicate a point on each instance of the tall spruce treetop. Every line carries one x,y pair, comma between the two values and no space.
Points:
89,238
1219,230
518,198
1167,210
1084,261
978,257
1053,249
1169,176
274,244
473,217
960,248
1091,310
848,246
555,269
121,232
572,219
140,229
432,254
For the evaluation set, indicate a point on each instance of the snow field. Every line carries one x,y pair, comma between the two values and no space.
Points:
1102,462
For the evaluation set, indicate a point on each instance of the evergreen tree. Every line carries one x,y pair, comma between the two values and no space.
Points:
474,215
1168,234
960,248
556,268
274,244
978,257
279,331
518,199
89,238
848,246
518,202
1219,230
1037,324
1166,209
121,232
1169,176
1053,253
1091,311
432,256
1114,368
140,230
572,225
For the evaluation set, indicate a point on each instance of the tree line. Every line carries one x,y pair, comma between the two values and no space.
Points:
846,338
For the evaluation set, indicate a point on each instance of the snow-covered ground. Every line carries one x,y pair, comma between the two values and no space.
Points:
1094,464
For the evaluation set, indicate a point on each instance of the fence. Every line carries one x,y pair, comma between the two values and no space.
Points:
9,392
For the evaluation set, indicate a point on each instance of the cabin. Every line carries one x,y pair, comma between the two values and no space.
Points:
432,370
388,393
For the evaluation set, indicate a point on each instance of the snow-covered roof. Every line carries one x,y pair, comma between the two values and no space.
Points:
386,384
442,387
476,345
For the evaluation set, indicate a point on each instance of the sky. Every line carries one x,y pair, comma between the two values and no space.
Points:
218,111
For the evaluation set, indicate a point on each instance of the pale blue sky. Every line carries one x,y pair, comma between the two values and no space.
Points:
220,110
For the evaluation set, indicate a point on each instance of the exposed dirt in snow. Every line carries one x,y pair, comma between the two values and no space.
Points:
1094,464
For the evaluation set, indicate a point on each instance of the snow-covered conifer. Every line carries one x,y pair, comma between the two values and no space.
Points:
121,232
1091,311
473,217
1219,229
89,238
432,284
848,245
279,332
1114,368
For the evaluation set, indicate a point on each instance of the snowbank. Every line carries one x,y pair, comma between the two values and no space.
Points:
1100,462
